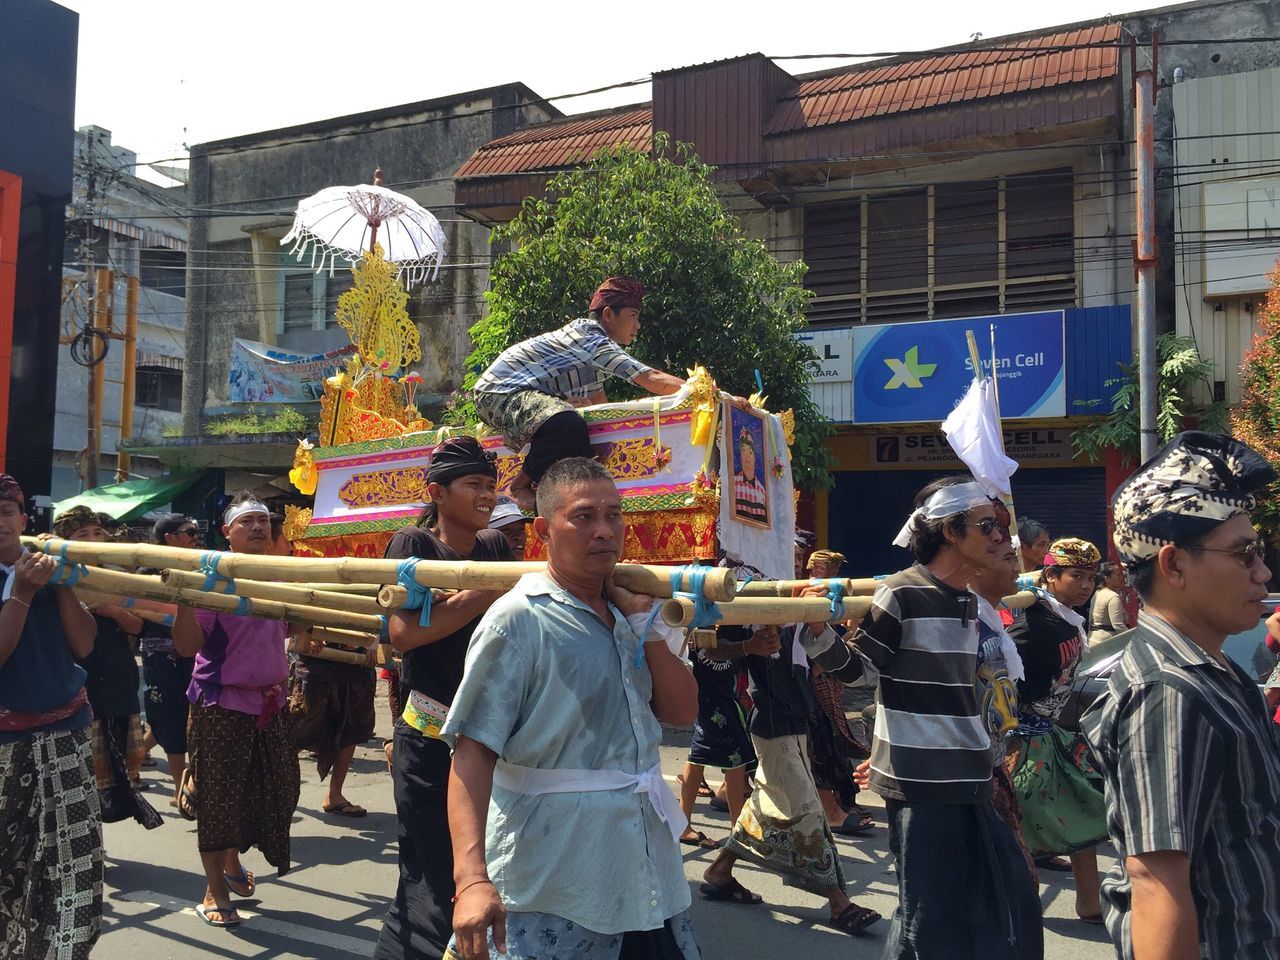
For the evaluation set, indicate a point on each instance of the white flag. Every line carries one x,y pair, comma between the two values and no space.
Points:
973,430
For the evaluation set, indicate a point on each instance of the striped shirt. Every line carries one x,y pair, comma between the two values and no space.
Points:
1192,764
572,362
929,744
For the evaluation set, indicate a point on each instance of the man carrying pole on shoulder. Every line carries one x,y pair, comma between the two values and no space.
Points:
242,781
556,729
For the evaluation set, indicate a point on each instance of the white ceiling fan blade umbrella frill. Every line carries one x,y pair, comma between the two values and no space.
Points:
346,221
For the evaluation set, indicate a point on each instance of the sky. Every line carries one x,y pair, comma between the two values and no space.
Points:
163,75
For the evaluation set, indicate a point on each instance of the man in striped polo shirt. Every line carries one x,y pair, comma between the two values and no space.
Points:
531,391
1190,757
964,889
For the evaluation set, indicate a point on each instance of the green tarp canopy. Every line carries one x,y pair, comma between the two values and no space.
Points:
130,499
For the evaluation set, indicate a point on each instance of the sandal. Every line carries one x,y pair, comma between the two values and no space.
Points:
854,826
226,918
187,798
346,809
1095,918
243,885
853,919
700,839
733,892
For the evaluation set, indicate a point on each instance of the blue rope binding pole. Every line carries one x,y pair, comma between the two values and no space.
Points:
419,596
835,593
214,582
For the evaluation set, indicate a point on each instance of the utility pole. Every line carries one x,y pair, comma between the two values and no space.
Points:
1145,254
95,292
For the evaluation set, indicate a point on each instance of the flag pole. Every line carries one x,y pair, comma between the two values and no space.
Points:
995,382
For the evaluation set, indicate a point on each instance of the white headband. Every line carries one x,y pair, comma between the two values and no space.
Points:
238,510
946,502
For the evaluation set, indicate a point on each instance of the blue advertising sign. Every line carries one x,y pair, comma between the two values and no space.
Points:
917,372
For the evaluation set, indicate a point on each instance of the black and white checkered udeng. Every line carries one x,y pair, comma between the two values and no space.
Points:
1197,481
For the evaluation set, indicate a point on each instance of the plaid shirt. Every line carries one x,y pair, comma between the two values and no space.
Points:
571,362
1192,764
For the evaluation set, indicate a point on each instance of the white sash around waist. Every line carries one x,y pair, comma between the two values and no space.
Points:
535,781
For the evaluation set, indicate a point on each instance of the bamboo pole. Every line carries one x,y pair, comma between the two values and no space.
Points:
784,588
718,583
152,588
357,589
90,597
679,612
284,592
303,646
349,638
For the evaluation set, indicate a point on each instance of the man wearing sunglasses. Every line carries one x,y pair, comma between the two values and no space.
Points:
931,751
1190,758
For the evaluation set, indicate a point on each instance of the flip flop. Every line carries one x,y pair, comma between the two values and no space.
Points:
853,919
717,804
346,809
226,918
732,892
243,885
854,826
700,839
1095,918
187,797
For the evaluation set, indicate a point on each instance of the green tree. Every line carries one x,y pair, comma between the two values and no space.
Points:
716,297
1179,370
1257,420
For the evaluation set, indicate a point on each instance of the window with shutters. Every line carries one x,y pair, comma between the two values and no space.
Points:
952,250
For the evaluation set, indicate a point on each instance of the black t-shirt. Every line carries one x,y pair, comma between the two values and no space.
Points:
780,690
1050,649
112,681
436,668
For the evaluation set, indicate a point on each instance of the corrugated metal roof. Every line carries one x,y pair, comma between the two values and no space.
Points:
874,91
562,143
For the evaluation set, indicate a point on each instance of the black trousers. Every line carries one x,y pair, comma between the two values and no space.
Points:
561,436
657,944
420,919
964,890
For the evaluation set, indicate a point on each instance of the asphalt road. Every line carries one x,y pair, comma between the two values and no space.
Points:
331,904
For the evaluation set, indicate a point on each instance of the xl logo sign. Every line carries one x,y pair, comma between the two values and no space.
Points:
909,372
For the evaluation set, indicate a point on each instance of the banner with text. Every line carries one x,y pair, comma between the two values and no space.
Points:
261,373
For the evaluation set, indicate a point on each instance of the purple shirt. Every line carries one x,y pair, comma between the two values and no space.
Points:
242,665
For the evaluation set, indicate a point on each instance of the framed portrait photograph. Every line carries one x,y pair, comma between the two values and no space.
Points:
747,450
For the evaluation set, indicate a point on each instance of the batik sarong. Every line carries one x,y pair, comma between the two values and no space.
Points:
50,848
1059,792
247,782
782,826
329,715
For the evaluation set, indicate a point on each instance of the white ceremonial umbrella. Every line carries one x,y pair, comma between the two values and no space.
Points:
347,221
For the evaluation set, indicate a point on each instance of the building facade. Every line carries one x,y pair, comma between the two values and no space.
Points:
989,185
133,228
242,284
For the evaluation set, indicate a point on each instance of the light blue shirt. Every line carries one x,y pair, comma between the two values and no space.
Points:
548,685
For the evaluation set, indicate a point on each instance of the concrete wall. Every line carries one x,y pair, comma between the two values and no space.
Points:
1199,22
235,262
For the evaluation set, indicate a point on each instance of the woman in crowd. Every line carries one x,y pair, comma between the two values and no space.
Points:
1033,541
1107,616
1058,789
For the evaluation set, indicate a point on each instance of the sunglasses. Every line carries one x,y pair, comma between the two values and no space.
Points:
188,531
1248,555
988,525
